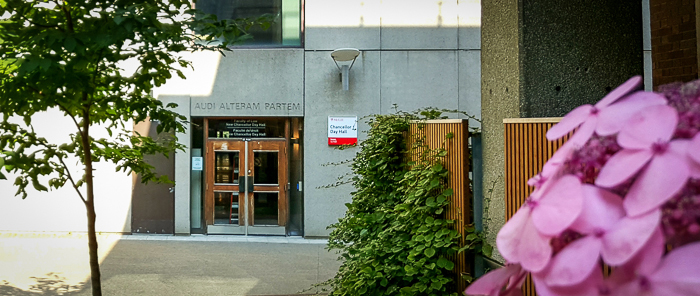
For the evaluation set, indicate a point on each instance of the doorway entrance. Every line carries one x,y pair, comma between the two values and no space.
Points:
246,186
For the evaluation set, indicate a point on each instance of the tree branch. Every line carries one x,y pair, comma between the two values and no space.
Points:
77,125
65,167
70,177
69,19
42,25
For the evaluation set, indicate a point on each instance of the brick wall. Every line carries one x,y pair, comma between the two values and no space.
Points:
673,41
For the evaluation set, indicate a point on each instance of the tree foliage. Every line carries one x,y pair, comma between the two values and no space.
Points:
70,56
394,239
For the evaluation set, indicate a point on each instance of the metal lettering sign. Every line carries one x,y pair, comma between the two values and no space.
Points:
246,129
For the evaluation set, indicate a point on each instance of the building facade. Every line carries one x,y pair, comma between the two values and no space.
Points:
259,154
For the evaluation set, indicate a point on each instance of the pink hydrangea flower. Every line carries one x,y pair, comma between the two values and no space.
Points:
608,233
505,281
642,146
677,274
546,213
604,117
647,140
594,285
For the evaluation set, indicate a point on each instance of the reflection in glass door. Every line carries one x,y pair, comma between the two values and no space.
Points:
246,187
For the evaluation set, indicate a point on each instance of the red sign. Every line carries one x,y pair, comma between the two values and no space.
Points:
342,130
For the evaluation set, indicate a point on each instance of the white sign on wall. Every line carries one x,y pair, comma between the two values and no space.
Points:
197,163
342,130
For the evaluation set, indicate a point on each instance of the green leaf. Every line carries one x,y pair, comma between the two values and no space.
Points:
119,19
445,263
38,186
430,252
28,65
487,250
45,64
69,43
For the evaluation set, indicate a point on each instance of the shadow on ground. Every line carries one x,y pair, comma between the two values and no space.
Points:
51,284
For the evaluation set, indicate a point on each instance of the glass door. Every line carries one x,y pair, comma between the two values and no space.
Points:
268,206
246,187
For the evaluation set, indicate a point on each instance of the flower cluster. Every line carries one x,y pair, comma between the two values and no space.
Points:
622,191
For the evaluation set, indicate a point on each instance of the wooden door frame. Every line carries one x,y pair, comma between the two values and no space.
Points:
211,186
283,178
283,168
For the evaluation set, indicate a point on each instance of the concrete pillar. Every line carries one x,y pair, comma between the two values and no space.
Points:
542,59
182,167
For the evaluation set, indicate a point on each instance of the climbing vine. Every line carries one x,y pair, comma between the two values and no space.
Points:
394,239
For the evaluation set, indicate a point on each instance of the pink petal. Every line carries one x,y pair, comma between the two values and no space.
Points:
569,122
588,287
622,166
554,164
602,209
650,125
694,150
658,182
575,262
629,235
584,132
559,206
681,147
680,265
629,85
492,281
520,242
652,253
677,275
642,263
612,118
636,287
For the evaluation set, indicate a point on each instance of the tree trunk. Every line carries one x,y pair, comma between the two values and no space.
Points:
90,206
92,245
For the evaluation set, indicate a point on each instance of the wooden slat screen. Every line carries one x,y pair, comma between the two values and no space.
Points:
526,151
457,163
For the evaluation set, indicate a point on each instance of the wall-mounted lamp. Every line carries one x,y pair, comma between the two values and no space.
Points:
345,55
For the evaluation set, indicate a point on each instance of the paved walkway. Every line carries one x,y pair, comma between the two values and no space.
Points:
57,264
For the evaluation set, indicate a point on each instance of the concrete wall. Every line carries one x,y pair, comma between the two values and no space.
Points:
422,54
544,58
500,98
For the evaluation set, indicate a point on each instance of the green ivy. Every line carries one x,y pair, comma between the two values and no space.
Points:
394,239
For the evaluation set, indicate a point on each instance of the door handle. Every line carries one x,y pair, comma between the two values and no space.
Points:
245,182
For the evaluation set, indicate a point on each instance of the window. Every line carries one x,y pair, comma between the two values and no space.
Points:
285,29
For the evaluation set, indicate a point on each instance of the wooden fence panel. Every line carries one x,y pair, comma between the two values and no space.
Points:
526,151
457,163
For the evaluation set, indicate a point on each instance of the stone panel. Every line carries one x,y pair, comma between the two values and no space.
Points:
254,82
423,24
470,85
418,79
332,24
469,13
326,97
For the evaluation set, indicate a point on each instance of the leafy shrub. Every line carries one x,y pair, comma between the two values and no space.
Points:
394,239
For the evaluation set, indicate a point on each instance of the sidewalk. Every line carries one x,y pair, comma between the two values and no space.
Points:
57,264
